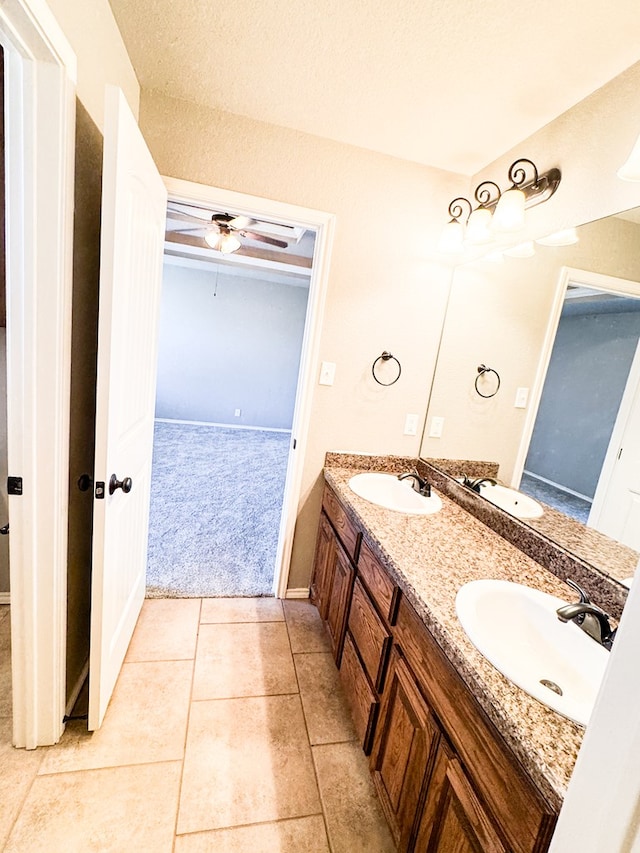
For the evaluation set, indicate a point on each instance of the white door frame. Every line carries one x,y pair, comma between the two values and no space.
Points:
323,224
40,82
598,281
609,464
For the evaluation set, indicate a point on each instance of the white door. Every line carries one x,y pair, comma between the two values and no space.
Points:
133,224
616,504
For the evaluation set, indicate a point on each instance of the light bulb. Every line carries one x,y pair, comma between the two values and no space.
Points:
212,238
479,227
509,215
228,243
451,239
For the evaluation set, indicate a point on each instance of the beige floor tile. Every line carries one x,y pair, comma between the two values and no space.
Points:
167,629
352,811
325,707
241,610
146,721
247,761
300,835
306,631
252,659
111,811
18,768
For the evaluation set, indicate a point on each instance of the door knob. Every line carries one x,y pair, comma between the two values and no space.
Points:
4,530
126,484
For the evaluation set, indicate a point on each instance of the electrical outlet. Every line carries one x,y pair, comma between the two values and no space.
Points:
237,413
327,373
436,427
411,425
522,395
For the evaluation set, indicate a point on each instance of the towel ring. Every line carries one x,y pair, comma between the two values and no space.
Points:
482,369
386,356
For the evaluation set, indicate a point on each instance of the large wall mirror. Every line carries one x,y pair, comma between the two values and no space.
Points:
562,329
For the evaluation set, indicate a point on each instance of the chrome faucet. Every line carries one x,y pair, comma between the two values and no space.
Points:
591,618
419,484
479,481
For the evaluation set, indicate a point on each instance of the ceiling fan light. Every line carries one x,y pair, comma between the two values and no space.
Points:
228,243
212,238
630,169
479,227
451,239
509,214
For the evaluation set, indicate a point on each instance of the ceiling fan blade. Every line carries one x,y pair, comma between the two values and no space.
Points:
187,230
252,235
185,217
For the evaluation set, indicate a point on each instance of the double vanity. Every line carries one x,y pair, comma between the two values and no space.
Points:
411,586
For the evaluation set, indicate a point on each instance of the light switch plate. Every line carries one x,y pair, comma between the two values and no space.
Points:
435,431
522,396
327,373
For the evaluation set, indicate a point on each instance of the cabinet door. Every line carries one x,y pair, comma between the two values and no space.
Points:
339,598
323,567
405,743
454,820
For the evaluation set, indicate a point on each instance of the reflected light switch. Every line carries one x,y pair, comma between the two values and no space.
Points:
435,430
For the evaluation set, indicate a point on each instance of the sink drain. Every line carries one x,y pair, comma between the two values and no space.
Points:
551,685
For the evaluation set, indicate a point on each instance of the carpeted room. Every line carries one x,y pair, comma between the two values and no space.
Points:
228,360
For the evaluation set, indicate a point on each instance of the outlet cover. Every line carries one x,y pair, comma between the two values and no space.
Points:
237,413
522,396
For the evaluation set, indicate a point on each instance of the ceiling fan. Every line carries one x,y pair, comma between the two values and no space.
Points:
221,231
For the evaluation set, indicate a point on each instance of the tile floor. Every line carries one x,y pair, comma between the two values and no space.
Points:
227,732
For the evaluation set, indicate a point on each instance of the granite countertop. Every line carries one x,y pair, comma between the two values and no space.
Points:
431,557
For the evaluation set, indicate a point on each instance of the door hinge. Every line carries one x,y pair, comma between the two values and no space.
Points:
100,490
620,453
295,441
14,485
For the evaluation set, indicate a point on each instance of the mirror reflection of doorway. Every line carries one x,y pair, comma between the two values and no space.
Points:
593,352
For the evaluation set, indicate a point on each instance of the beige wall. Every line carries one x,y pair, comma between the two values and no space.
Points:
498,316
382,295
93,34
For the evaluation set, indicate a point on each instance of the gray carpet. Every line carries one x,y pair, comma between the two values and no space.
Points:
216,500
564,502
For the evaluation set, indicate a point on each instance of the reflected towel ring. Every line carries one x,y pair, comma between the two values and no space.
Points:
386,356
482,369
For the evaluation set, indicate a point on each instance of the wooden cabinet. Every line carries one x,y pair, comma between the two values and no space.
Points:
454,819
447,781
405,745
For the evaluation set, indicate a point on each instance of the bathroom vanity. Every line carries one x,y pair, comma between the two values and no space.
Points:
462,759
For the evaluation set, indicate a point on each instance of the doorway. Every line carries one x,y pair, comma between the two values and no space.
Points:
230,345
586,382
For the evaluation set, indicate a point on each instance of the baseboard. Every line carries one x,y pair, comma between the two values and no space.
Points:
558,486
223,426
77,687
301,592
5,598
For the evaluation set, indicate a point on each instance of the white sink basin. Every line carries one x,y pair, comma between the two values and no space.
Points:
517,630
512,501
387,491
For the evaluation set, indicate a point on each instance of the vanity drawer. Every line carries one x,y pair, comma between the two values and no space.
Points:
361,698
381,588
349,536
369,634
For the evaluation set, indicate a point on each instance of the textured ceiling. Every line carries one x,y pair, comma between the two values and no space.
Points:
448,83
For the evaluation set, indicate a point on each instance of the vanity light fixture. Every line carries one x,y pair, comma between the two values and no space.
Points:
630,170
498,211
566,237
